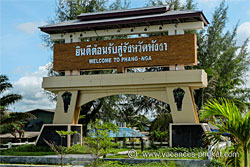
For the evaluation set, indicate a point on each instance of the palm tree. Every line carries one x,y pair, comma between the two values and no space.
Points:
159,130
231,121
9,98
128,114
11,122
6,100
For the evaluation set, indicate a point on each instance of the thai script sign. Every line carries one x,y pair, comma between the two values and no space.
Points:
126,53
125,47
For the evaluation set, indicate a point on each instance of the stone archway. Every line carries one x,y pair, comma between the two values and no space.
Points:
174,50
160,85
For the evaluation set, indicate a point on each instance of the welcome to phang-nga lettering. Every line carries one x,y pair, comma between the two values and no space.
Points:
122,48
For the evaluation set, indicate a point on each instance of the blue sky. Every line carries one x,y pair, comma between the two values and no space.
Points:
23,56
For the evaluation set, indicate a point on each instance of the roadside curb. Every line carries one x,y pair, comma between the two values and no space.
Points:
43,160
22,165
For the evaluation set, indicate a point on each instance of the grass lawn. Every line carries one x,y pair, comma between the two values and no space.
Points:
153,164
155,157
31,150
13,153
28,150
118,164
167,153
162,153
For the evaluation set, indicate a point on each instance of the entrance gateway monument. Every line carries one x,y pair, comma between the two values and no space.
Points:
175,49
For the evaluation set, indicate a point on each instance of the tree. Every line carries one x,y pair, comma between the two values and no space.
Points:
232,121
159,129
224,61
104,108
8,99
127,113
11,122
14,122
133,110
173,4
60,150
119,5
98,141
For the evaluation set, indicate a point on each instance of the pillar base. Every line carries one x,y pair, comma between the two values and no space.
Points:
187,134
48,133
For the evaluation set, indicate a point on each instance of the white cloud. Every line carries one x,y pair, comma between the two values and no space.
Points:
248,78
30,87
243,33
29,27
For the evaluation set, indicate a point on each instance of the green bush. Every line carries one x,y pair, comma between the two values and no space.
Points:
216,163
27,150
30,148
77,149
